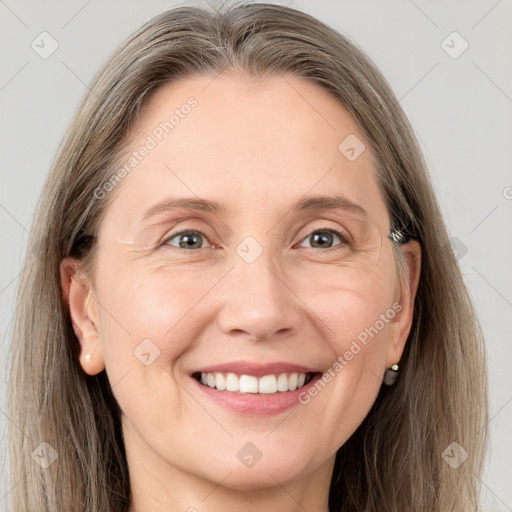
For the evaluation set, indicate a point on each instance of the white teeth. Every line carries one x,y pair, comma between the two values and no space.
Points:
268,384
292,381
220,382
232,382
282,382
248,384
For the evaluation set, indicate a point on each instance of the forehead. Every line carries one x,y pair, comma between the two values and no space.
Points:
254,144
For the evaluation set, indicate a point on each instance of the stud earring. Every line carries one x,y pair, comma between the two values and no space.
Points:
390,375
88,357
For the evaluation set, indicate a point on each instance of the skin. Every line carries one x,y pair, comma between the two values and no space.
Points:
257,146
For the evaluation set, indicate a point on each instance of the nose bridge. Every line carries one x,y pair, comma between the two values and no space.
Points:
257,299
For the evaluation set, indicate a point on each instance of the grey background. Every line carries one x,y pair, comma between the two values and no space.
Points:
460,109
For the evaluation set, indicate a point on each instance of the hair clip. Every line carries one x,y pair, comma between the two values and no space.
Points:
399,237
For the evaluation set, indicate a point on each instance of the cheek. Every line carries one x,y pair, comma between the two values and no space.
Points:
350,303
151,317
356,312
149,320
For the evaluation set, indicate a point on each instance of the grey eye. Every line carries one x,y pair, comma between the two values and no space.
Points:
323,238
188,239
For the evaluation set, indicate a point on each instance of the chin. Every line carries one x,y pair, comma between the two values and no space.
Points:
277,469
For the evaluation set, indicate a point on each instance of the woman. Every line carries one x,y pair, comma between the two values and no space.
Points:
243,296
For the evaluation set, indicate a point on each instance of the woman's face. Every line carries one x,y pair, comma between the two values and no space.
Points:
255,288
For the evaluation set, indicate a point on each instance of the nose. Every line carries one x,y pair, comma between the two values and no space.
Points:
258,302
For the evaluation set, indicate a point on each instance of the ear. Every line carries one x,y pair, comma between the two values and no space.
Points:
79,299
407,290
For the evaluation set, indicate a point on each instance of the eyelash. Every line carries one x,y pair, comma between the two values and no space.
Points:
339,234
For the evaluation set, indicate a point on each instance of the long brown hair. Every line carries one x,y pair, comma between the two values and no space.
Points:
394,461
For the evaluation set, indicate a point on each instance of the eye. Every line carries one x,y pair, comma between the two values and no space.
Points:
322,238
192,239
187,239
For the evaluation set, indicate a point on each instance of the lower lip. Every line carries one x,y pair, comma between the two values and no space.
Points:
256,403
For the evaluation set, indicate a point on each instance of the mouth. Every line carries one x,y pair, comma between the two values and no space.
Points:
254,389
269,384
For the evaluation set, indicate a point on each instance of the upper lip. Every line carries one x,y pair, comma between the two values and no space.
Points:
256,369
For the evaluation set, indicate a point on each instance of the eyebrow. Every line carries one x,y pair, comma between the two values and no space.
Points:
186,203
309,203
336,202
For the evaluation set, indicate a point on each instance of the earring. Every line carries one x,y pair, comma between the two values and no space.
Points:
88,357
390,375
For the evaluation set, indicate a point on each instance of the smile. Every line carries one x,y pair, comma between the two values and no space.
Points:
250,388
266,384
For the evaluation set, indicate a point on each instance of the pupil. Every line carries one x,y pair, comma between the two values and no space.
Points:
189,241
324,236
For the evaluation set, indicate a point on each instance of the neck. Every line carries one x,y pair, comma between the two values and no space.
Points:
158,485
